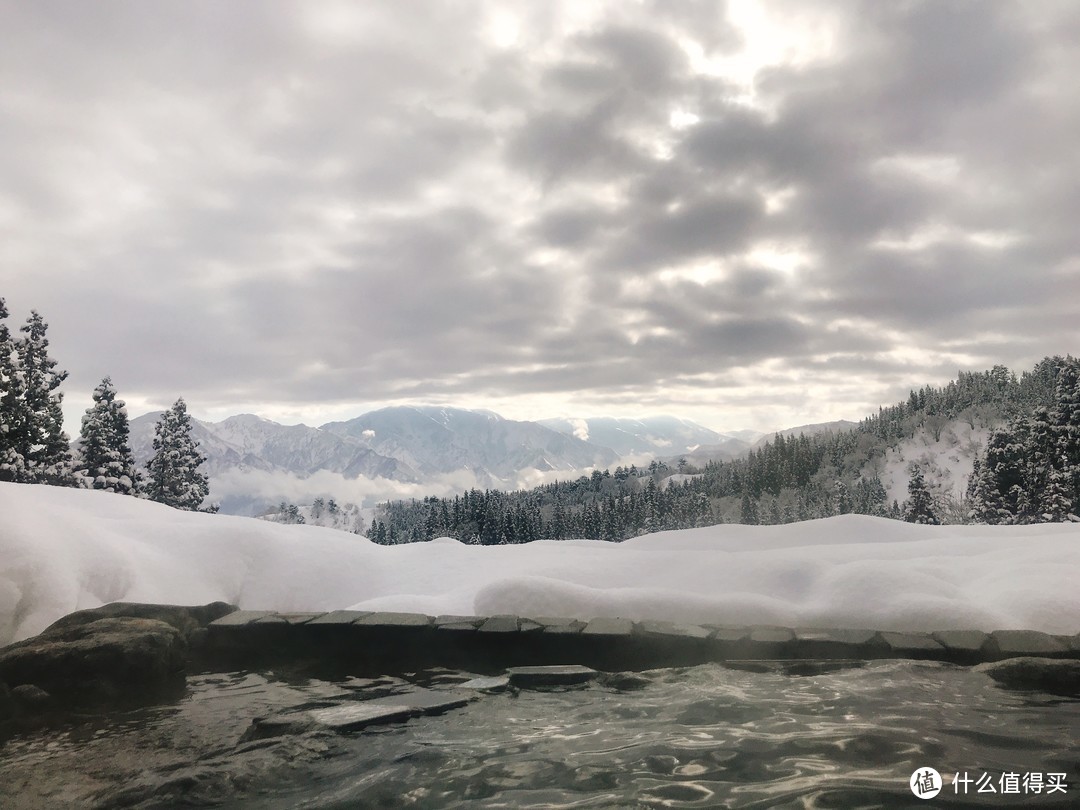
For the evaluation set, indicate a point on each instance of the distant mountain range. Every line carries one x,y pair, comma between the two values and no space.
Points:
416,445
254,463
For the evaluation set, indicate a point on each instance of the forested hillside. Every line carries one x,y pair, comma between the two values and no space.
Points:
786,480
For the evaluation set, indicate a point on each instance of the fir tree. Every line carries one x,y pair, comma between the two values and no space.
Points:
10,399
1065,426
174,477
35,448
920,506
105,459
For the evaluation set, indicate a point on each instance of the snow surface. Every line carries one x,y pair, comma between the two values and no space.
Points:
63,549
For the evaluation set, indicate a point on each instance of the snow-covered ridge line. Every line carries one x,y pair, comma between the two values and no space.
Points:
62,550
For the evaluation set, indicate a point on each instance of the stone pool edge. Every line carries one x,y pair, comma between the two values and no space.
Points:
415,641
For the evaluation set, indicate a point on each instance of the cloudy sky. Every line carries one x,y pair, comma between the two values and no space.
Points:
751,215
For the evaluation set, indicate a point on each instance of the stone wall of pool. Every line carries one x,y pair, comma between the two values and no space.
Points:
381,641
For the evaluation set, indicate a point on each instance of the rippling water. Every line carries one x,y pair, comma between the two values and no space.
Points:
706,736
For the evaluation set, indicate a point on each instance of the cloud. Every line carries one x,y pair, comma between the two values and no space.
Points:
619,207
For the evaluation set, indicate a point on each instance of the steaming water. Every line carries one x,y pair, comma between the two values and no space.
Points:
706,736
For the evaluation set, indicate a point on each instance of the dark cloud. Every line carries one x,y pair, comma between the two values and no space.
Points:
546,204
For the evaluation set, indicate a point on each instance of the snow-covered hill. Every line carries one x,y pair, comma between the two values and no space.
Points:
65,549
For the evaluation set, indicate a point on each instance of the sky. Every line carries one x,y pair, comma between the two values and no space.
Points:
752,215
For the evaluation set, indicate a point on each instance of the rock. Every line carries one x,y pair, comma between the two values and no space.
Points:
608,627
1058,676
104,659
30,699
494,683
1026,643
525,677
500,624
624,681
355,715
186,619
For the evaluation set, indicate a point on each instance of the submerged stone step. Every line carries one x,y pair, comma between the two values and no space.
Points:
526,677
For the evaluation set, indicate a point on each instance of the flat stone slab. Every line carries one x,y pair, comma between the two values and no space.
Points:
901,643
965,641
494,683
395,620
1026,642
1059,676
609,627
771,635
837,636
526,677
339,617
530,627
239,618
555,621
501,624
288,618
730,634
461,627
353,716
565,629
475,621
672,630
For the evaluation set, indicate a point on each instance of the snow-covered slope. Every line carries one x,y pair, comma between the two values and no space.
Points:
653,436
62,549
809,430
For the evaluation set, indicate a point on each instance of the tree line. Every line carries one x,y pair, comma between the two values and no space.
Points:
34,449
794,478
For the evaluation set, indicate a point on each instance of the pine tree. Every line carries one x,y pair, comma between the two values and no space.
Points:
35,448
174,477
920,506
1065,426
105,459
10,399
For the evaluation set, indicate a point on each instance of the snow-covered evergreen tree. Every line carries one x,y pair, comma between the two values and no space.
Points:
35,449
1065,425
174,478
920,505
10,398
105,460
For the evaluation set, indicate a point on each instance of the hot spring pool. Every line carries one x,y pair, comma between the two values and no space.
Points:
706,736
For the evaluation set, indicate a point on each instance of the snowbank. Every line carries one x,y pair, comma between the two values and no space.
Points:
62,550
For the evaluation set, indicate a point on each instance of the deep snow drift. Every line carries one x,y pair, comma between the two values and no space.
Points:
62,550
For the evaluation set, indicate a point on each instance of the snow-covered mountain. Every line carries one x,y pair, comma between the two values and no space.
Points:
249,442
654,435
435,440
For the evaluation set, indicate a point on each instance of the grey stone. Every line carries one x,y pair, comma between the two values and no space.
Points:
530,627
395,620
835,636
475,621
526,677
609,627
555,621
500,624
1058,676
772,635
965,641
339,617
730,634
104,659
494,683
1026,642
902,643
289,618
672,629
186,619
463,627
239,618
564,630
624,681
353,716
